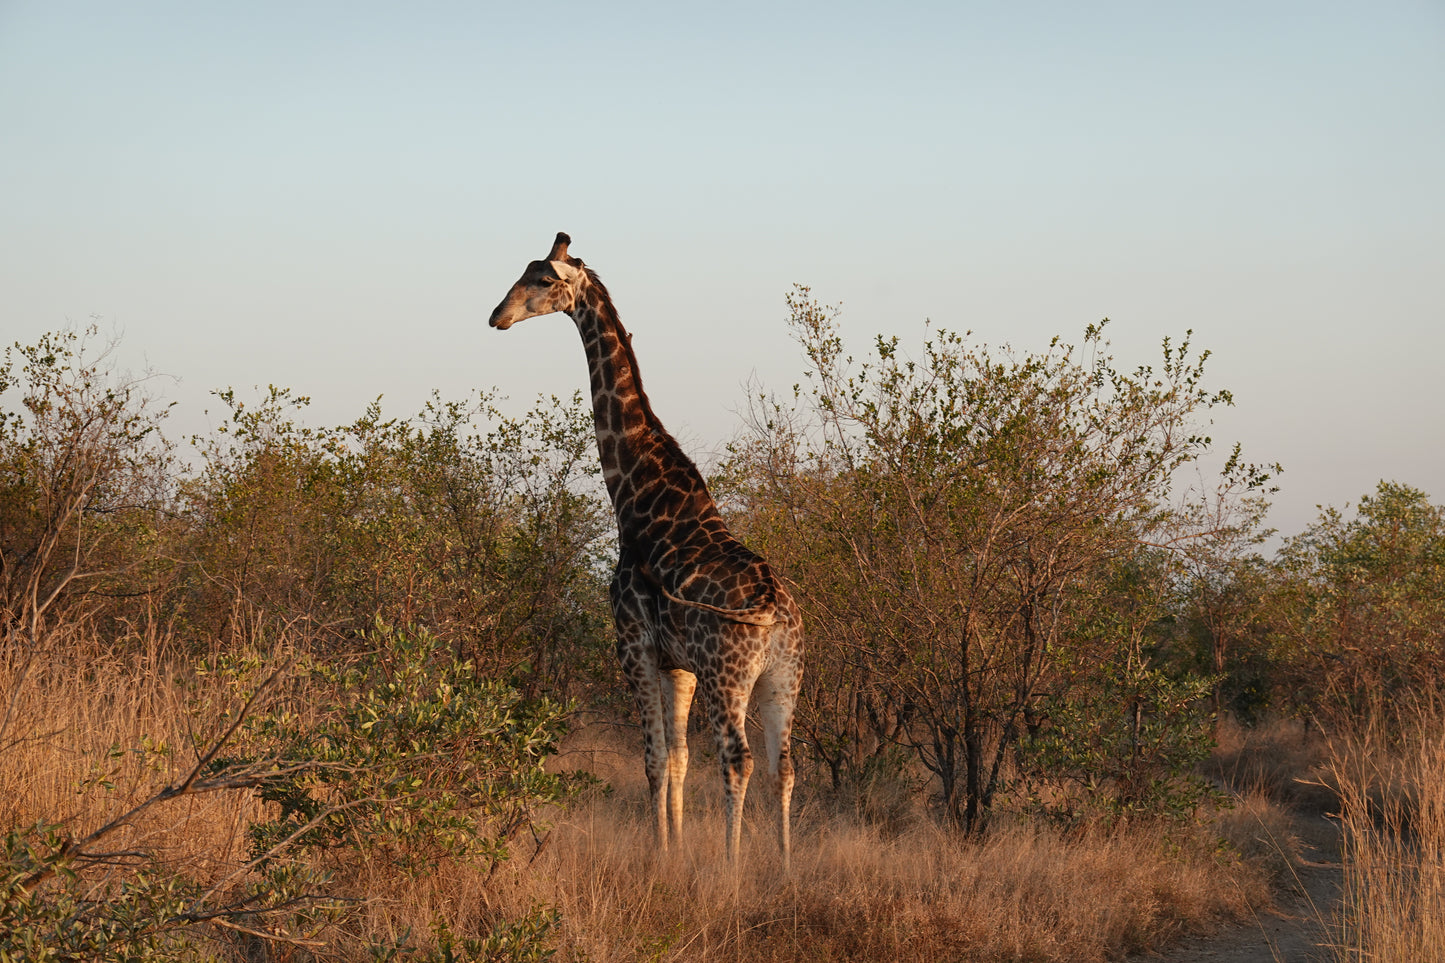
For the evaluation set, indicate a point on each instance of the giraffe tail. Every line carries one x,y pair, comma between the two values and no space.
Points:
764,614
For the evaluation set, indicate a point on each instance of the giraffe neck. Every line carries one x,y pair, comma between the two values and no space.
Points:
640,460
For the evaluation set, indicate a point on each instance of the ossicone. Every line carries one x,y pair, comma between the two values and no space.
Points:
559,248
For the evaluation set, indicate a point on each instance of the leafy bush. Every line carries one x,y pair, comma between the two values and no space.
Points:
138,918
952,521
85,481
1356,619
495,541
399,753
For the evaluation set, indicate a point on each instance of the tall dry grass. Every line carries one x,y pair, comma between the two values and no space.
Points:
1392,794
1020,894
1280,759
861,890
891,890
92,732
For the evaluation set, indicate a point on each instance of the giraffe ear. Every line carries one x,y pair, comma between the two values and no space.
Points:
565,270
559,248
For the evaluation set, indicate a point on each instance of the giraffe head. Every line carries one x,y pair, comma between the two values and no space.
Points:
547,286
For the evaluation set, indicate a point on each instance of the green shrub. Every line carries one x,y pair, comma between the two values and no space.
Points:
403,754
397,754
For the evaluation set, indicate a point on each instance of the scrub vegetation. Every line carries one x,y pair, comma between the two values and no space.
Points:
288,692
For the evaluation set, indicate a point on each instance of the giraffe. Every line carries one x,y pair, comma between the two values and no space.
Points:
694,608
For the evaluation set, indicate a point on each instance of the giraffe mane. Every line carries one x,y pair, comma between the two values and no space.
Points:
605,304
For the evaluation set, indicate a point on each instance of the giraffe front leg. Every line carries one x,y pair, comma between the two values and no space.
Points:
677,690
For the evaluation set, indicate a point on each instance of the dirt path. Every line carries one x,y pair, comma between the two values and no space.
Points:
1291,932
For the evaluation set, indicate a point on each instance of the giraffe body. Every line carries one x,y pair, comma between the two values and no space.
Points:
695,610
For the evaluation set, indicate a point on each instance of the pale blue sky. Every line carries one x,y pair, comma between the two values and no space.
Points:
332,196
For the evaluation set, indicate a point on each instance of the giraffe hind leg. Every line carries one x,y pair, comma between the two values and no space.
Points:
677,690
776,693
729,712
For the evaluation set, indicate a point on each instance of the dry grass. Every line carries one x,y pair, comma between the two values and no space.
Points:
79,716
1275,773
1262,831
863,891
856,894
859,890
1281,760
1393,810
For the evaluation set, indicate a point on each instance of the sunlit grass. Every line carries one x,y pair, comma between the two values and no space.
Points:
1393,811
895,890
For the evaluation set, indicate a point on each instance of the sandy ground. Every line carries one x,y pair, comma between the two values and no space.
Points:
1294,930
